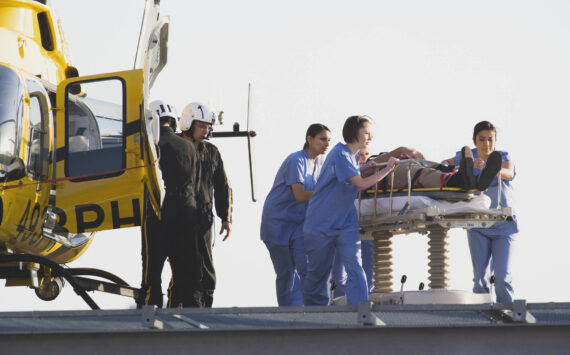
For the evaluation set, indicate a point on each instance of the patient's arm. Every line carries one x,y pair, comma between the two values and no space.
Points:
401,152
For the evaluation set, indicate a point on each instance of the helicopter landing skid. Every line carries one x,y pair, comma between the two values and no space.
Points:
75,277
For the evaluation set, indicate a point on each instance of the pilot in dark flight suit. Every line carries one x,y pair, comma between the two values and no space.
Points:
175,236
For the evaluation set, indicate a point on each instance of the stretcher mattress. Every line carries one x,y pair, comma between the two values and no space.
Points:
425,213
477,204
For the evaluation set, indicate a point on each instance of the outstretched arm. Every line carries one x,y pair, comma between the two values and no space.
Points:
400,153
507,171
363,183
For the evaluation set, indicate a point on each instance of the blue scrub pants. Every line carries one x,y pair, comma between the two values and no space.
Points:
338,275
320,254
482,247
290,265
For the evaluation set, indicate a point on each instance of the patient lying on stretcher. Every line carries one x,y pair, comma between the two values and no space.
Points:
424,174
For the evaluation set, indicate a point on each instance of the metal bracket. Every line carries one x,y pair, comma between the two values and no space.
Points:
365,315
519,313
148,318
190,321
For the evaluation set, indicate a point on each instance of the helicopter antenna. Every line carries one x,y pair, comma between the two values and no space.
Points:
249,143
140,36
237,133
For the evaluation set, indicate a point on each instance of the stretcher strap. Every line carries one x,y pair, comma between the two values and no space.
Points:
417,175
443,178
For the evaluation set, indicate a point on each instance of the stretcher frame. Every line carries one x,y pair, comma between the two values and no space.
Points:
380,227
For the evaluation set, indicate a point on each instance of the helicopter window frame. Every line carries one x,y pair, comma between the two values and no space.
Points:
18,111
46,34
99,174
42,166
40,90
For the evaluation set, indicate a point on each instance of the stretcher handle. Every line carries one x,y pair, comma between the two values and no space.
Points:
499,185
400,162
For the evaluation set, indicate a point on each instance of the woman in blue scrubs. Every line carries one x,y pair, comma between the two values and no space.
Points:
332,221
284,214
338,274
496,241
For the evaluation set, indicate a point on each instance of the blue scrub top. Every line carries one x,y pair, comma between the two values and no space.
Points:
507,195
282,214
331,209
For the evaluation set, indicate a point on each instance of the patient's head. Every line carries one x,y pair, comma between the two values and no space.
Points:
364,154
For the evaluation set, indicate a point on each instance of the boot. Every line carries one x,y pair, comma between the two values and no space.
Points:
466,169
491,169
464,178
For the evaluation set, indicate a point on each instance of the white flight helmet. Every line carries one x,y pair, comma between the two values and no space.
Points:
194,111
162,109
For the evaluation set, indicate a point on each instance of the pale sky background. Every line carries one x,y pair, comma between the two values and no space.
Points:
426,71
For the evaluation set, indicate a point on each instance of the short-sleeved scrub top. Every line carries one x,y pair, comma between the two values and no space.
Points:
331,210
283,216
507,196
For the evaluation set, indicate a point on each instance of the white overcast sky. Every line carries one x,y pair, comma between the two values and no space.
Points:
426,71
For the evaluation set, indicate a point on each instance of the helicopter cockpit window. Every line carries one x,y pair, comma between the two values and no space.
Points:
34,148
95,129
10,111
38,141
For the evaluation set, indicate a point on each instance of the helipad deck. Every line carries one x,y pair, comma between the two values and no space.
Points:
426,329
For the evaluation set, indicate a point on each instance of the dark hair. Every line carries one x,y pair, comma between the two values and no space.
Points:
312,132
190,131
483,126
170,120
351,127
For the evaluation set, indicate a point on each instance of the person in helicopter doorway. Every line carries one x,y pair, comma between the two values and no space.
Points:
176,235
196,126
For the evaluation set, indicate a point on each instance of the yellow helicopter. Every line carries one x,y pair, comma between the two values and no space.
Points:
77,154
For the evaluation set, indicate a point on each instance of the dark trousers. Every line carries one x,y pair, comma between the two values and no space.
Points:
179,228
208,272
208,281
175,238
153,255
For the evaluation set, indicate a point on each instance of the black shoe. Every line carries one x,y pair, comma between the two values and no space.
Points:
491,169
466,169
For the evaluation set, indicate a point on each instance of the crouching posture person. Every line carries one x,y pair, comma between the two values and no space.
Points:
284,214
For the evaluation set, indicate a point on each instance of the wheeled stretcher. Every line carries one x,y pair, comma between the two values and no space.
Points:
433,211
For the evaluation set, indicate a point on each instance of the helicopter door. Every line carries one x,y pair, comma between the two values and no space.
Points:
99,172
